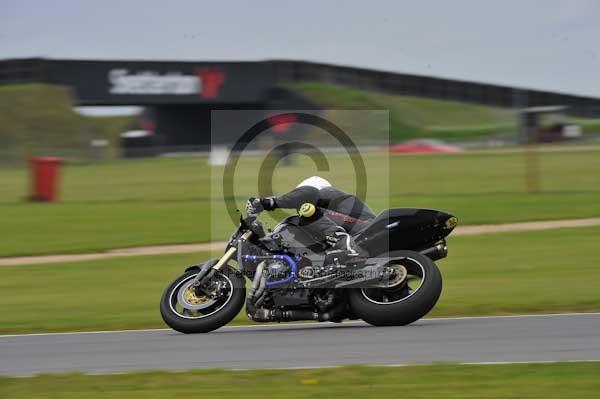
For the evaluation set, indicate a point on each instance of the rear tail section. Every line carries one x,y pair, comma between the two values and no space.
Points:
405,228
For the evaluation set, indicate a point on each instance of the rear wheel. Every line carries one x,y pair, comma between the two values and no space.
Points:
411,293
189,309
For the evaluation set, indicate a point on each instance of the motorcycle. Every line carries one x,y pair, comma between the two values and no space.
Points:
394,281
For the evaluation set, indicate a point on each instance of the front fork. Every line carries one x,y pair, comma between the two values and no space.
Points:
231,251
208,271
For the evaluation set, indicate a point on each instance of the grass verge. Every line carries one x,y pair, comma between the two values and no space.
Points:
169,201
556,380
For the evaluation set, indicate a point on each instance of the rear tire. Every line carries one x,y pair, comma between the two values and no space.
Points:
405,310
212,321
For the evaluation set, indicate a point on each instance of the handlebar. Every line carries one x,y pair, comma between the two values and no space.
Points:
252,224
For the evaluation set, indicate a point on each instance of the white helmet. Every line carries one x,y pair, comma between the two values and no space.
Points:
314,181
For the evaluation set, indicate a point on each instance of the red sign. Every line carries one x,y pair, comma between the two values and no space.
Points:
211,82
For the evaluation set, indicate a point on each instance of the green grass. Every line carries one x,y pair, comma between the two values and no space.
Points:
547,381
165,201
508,273
415,116
425,117
39,118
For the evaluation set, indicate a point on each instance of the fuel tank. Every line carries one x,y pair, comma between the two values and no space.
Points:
296,239
405,228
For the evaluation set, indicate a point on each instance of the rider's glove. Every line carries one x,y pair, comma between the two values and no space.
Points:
254,206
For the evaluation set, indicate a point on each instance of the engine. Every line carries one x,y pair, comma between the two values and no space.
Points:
271,299
277,270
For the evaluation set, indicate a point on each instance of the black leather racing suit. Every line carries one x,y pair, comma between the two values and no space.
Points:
334,208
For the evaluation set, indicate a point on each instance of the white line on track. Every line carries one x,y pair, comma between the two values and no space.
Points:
292,368
102,373
418,364
306,325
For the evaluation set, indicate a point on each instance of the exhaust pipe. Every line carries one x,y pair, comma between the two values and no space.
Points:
438,251
269,315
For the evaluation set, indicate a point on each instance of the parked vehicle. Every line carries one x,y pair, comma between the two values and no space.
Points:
424,146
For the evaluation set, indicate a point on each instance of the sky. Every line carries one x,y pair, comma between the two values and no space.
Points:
549,45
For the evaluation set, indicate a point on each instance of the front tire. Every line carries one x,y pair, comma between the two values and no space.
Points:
211,316
404,304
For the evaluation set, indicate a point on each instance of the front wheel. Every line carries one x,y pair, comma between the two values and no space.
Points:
414,293
202,309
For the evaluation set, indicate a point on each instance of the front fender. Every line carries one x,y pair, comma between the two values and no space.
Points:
207,264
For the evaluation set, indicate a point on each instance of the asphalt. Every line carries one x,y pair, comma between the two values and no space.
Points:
465,340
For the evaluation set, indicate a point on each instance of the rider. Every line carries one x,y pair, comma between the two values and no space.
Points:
327,213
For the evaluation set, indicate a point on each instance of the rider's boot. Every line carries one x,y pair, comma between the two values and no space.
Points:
343,250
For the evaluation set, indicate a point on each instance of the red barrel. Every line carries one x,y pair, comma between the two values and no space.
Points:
45,173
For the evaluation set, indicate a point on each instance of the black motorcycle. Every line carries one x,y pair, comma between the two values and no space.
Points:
393,282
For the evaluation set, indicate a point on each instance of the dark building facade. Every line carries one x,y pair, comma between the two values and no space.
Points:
180,96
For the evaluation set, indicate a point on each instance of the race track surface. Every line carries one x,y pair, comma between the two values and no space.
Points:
480,339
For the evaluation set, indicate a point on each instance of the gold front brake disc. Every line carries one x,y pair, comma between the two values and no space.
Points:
189,295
